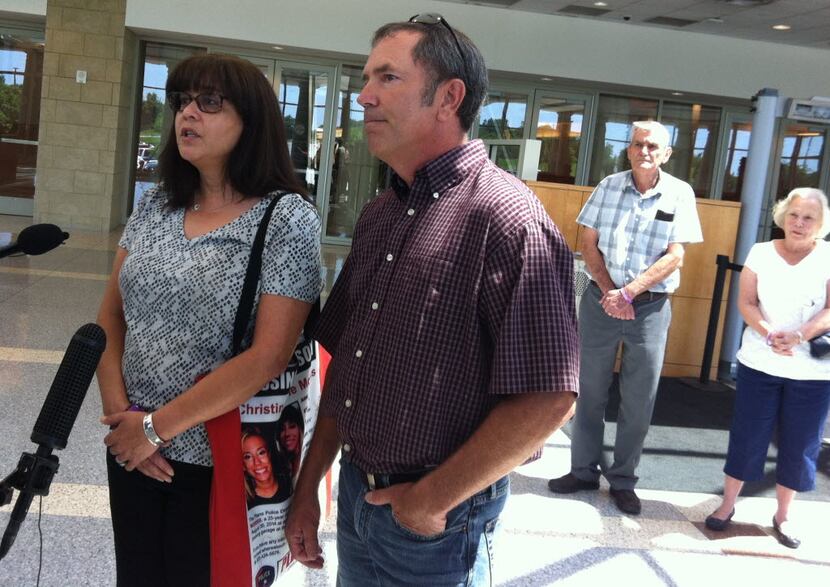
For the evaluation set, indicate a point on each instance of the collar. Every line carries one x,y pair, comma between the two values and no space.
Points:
443,172
655,191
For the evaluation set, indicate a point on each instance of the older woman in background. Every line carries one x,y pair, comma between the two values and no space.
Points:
785,300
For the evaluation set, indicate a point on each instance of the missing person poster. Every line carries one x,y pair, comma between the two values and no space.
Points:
277,425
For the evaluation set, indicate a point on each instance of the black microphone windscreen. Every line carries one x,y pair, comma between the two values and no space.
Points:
40,238
61,406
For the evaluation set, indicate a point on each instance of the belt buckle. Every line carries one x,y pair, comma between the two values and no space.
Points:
370,481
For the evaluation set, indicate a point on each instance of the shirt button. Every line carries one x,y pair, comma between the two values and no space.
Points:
358,354
347,448
435,195
411,212
375,305
348,403
389,257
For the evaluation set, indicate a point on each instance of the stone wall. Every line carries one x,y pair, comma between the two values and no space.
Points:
84,137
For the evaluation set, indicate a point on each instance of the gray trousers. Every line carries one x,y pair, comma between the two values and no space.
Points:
644,344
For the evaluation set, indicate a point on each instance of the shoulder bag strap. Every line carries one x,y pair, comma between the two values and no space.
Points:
246,298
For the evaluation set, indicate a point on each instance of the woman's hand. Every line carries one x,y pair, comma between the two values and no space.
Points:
126,440
156,467
782,343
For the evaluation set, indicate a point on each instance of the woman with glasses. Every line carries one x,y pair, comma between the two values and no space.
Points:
170,304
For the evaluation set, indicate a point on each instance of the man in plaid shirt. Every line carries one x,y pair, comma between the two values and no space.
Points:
635,225
451,327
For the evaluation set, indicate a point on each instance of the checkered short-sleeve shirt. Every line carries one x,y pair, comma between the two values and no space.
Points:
457,292
636,229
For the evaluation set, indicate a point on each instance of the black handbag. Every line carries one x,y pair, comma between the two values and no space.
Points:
820,345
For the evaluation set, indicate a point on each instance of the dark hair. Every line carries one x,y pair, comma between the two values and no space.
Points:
259,163
437,51
291,413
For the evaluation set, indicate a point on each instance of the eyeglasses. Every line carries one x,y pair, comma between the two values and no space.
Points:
209,103
432,18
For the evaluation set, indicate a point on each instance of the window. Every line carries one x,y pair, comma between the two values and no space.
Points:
356,176
693,129
503,116
155,118
615,114
21,70
559,127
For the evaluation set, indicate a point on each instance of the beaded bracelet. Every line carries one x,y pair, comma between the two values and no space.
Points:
625,295
769,339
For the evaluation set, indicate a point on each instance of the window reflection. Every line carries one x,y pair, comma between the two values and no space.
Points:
155,118
737,151
21,70
302,99
560,130
615,115
502,116
693,130
356,176
800,161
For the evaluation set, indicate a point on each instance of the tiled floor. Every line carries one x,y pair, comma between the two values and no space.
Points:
581,540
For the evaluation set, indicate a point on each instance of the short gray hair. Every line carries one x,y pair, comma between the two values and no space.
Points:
779,211
659,133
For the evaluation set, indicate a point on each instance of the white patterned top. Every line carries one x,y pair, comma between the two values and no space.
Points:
180,296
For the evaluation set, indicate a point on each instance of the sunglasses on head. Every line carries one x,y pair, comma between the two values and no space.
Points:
432,18
209,102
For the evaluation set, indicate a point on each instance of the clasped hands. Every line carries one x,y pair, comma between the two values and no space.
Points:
127,442
782,343
616,306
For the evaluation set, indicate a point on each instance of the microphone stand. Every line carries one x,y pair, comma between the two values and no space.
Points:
32,477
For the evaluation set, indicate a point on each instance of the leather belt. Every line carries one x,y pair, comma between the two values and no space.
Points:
646,296
384,480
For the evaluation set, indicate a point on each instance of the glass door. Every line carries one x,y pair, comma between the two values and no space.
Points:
801,162
355,177
559,122
21,71
732,168
303,94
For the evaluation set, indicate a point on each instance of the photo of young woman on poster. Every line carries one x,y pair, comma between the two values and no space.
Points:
290,432
267,479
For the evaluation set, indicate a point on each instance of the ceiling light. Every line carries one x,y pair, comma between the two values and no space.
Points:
277,47
547,79
677,93
600,3
715,19
781,27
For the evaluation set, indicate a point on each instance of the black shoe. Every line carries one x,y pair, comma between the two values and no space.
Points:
717,524
626,501
570,484
786,539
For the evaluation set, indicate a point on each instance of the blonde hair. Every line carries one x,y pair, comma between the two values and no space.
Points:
779,211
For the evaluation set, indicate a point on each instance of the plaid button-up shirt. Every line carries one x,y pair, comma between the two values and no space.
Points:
636,229
456,292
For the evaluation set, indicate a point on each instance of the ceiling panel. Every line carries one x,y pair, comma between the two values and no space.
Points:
810,19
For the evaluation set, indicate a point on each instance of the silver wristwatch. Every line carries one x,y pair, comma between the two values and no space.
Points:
150,431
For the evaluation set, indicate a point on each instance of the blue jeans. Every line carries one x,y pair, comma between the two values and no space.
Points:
798,408
374,549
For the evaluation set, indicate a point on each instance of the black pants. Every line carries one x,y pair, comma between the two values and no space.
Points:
162,532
